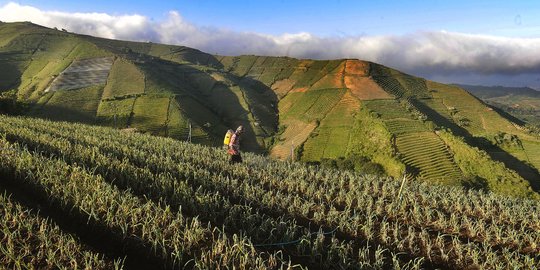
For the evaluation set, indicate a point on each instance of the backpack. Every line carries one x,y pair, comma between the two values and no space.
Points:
228,136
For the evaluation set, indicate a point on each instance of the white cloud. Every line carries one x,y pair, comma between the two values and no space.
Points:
424,53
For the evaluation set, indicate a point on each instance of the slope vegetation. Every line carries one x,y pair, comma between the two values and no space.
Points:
308,110
153,202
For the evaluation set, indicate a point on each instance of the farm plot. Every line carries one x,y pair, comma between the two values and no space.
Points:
391,85
427,153
415,87
387,109
332,136
150,114
479,118
532,149
438,106
75,105
403,126
124,79
122,108
364,88
83,73
27,240
310,105
139,182
333,78
296,132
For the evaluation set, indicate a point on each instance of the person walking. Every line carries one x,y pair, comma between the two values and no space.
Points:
234,146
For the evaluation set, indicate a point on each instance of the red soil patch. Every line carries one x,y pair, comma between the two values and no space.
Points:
357,67
364,88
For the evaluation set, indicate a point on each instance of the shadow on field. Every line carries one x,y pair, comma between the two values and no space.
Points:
524,170
89,233
10,75
217,105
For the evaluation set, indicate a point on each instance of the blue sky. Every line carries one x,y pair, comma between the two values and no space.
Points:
474,42
331,18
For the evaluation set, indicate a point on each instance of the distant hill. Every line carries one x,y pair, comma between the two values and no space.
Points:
521,102
344,113
485,92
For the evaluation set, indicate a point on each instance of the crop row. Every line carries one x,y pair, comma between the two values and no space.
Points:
133,222
333,196
30,241
414,86
213,207
388,109
400,126
183,152
391,85
425,151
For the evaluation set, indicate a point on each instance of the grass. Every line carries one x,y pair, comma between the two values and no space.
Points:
492,174
150,114
124,79
332,136
371,138
311,105
122,108
79,105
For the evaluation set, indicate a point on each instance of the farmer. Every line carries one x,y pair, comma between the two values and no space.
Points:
234,146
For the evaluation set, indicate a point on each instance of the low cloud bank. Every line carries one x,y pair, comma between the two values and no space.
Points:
437,54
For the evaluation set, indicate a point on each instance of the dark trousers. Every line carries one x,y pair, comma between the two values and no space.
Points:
235,159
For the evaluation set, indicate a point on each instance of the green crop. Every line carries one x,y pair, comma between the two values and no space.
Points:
262,213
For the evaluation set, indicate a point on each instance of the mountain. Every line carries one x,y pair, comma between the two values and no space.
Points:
344,113
520,102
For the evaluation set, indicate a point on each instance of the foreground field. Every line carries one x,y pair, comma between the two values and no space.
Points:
115,198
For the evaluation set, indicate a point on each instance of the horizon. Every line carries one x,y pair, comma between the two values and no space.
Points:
493,45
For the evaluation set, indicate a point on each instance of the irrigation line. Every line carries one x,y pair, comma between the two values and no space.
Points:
294,241
399,195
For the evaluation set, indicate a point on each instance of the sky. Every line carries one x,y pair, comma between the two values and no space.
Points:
472,42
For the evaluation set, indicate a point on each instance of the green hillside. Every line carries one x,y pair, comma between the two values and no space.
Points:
344,113
520,102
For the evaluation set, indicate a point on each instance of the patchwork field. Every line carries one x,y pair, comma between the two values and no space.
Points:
319,109
83,73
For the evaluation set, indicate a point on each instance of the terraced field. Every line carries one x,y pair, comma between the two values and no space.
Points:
331,138
400,126
387,109
391,85
427,153
414,86
83,73
420,149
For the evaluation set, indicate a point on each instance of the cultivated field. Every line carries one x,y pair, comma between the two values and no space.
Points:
168,204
